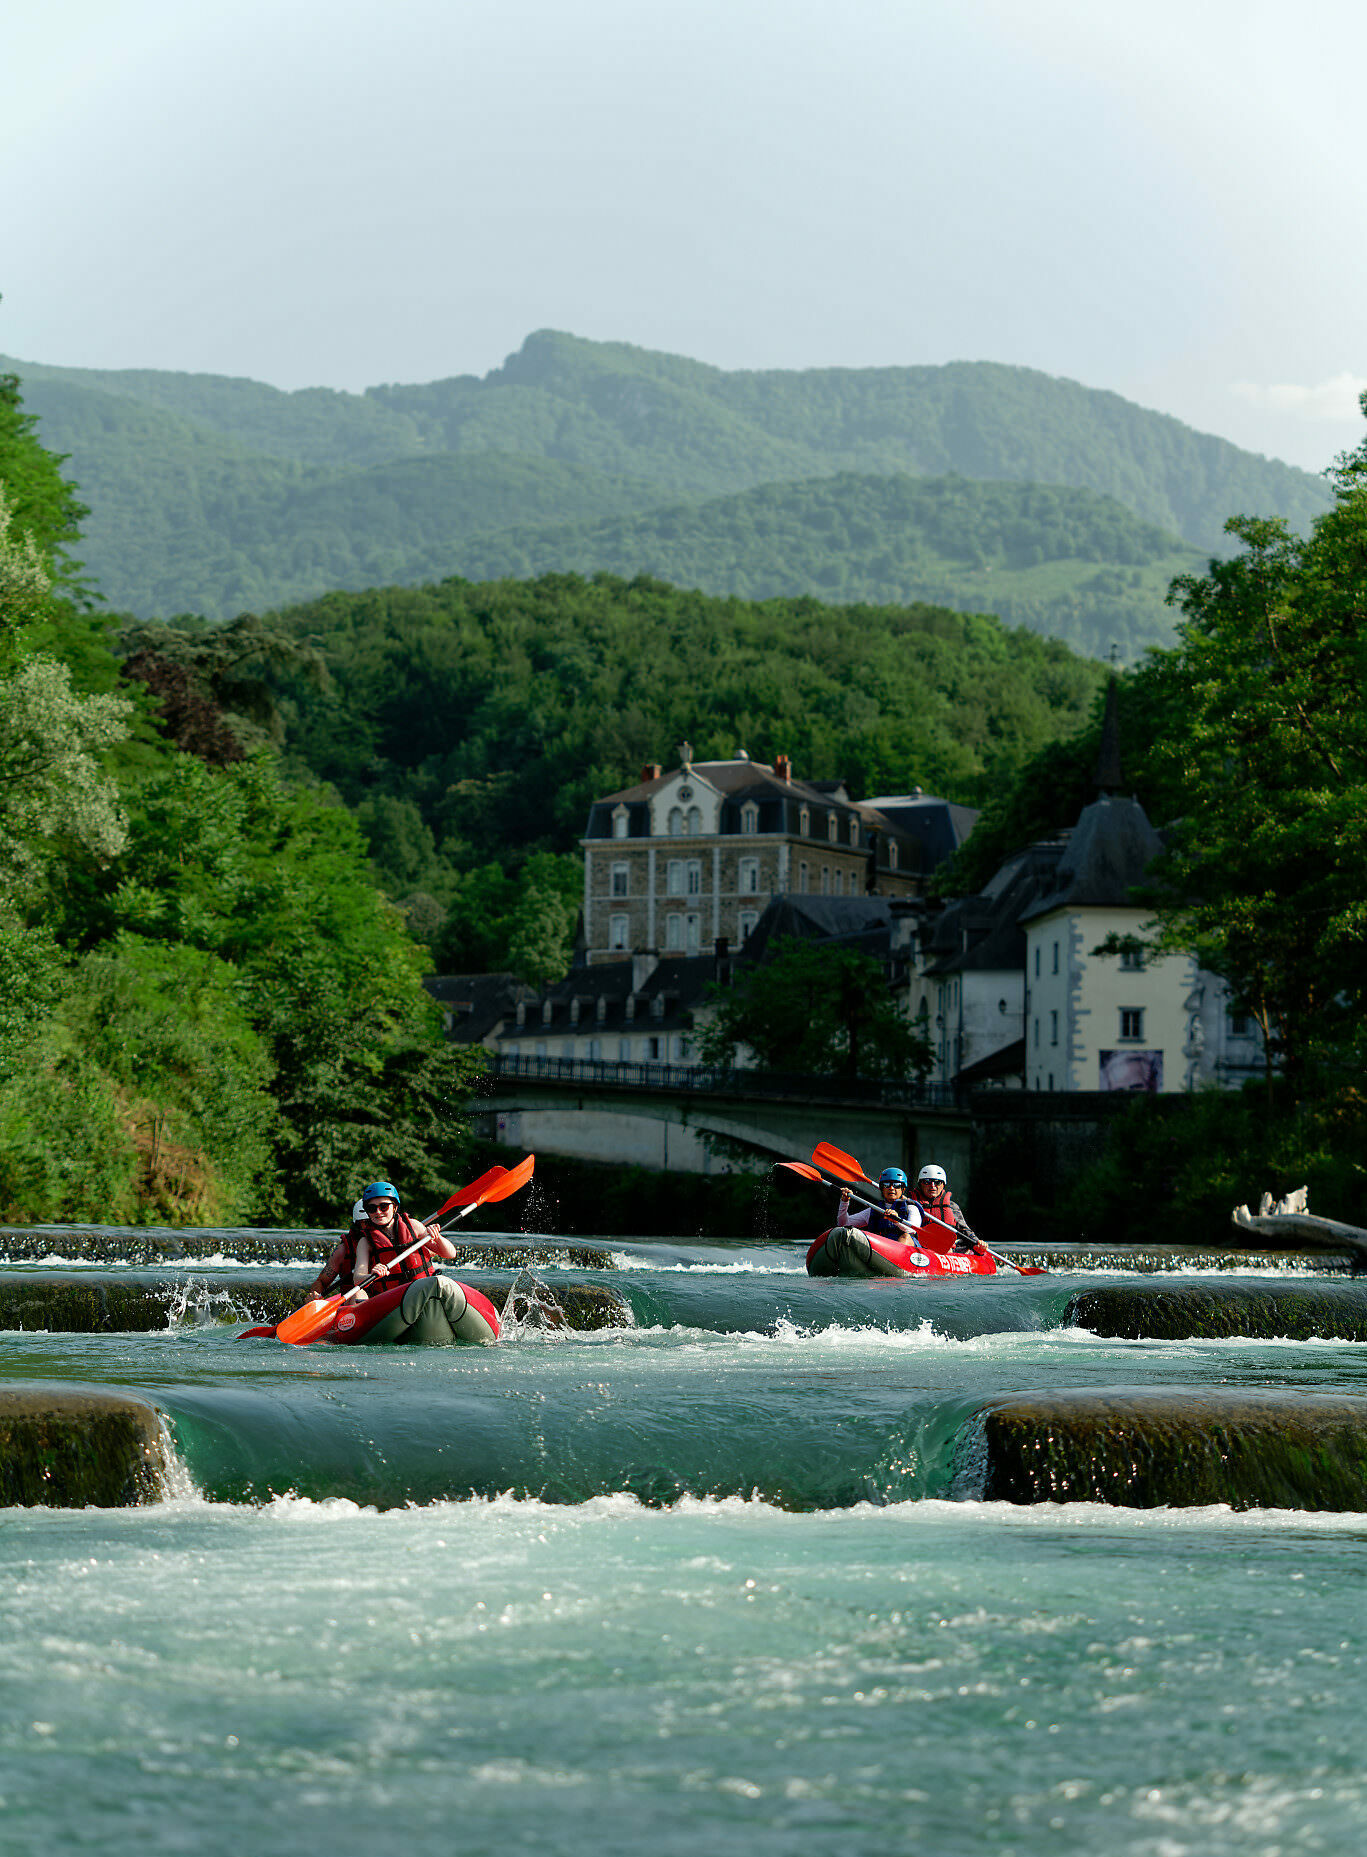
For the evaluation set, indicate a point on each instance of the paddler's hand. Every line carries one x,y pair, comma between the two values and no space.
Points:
380,1270
845,1193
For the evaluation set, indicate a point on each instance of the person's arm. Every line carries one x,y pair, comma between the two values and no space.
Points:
968,1238
845,1217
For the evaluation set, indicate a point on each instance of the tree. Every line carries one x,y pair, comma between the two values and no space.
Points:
1268,743
814,1009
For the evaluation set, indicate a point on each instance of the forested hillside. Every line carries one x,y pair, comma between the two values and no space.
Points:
213,495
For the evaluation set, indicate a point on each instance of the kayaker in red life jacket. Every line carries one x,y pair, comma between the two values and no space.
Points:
932,1193
373,1242
898,1217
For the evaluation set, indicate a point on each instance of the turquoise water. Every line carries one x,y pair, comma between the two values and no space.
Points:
717,1581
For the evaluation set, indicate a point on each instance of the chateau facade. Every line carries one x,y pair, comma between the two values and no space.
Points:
688,859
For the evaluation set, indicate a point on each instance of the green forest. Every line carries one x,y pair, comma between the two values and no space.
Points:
215,496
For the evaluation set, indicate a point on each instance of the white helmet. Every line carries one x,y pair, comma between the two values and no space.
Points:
932,1172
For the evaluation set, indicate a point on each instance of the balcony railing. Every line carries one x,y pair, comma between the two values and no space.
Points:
670,1079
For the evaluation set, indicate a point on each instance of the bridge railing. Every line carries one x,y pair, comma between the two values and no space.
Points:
672,1078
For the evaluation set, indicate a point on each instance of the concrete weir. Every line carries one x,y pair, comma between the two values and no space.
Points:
1326,1308
106,1303
1142,1449
66,1447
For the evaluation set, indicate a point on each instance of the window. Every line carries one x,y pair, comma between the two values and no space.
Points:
680,1046
1053,1028
619,932
832,827
825,880
600,1011
674,933
621,880
624,1050
522,1012
693,934
595,1049
854,833
746,922
1131,1021
1132,961
892,854
541,1047
695,822
749,876
802,879
1055,957
674,881
694,879
652,1049
1037,963
804,822
676,822
621,822
511,1050
749,817
1240,1024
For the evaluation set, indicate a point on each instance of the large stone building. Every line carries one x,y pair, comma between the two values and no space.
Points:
689,858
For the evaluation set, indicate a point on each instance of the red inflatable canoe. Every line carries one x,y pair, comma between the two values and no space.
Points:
849,1251
430,1311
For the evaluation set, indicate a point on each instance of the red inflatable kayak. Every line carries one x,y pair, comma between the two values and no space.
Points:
849,1251
431,1311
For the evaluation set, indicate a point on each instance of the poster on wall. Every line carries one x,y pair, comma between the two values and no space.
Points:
1131,1070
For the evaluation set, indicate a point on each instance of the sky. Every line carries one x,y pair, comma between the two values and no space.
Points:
1165,201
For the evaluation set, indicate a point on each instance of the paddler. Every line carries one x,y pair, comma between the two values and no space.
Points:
943,1210
378,1234
897,1218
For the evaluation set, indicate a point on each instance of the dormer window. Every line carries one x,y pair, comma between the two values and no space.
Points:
602,1008
892,854
832,827
854,833
546,1010
621,822
749,818
522,1012
804,822
657,1006
574,1012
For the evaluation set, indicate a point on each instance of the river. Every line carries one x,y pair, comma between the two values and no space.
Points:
723,1579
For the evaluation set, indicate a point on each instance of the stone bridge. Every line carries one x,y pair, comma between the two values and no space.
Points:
684,1119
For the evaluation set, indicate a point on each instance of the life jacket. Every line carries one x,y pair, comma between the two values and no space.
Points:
885,1225
934,1237
385,1246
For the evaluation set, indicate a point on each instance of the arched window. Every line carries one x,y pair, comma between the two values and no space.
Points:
804,822
854,832
892,854
749,817
832,827
676,822
695,822
621,822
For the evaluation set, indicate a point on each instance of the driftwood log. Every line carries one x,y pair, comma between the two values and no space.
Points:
1291,1218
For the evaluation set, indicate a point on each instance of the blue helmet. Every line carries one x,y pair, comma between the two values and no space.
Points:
379,1189
893,1176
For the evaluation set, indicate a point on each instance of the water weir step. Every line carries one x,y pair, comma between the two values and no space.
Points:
1333,1309
1138,1448
93,1303
65,1447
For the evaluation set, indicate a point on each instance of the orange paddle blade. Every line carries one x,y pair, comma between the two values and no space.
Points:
801,1167
469,1195
834,1161
513,1178
308,1323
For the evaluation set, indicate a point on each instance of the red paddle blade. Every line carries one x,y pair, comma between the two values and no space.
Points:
308,1323
801,1167
513,1178
469,1195
836,1162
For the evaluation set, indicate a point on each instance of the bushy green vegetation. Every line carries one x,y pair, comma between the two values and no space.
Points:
216,496
472,725
207,1010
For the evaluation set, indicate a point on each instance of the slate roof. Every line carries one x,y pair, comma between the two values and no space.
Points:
1108,852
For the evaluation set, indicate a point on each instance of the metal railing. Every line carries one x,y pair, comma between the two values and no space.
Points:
700,1079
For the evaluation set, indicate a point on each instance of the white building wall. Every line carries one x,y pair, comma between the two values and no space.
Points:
1076,1001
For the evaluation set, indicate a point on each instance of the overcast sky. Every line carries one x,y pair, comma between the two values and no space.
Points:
1167,200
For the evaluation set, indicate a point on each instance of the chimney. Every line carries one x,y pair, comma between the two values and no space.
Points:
783,767
722,960
651,771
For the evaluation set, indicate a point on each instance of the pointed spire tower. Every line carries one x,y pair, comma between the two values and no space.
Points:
1108,776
